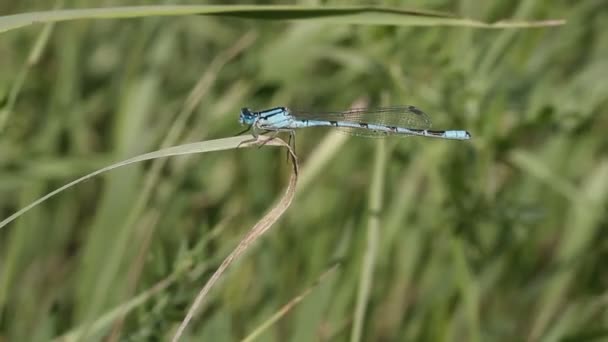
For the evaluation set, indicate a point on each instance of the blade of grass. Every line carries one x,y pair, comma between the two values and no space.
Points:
363,15
373,227
290,305
581,226
197,147
469,292
105,321
491,56
529,163
32,59
262,226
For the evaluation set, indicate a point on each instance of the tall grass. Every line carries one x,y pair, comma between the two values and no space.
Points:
498,238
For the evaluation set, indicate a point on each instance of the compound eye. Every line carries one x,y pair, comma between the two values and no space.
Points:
245,112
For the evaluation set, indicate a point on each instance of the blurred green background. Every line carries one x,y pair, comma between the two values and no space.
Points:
501,238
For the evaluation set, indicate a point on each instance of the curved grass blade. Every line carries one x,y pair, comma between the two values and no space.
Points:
360,15
262,226
197,147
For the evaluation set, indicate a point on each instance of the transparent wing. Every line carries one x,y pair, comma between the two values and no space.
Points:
399,116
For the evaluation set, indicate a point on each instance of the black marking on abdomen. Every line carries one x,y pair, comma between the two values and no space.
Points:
437,133
334,123
364,125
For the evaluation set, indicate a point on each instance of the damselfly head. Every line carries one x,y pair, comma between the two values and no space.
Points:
246,117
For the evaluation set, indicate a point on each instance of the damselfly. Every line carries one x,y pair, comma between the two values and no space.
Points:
400,120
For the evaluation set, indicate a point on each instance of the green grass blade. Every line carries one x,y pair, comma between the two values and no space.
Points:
373,232
285,309
363,15
32,59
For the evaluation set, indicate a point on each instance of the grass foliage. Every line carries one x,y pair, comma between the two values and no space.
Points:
500,238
